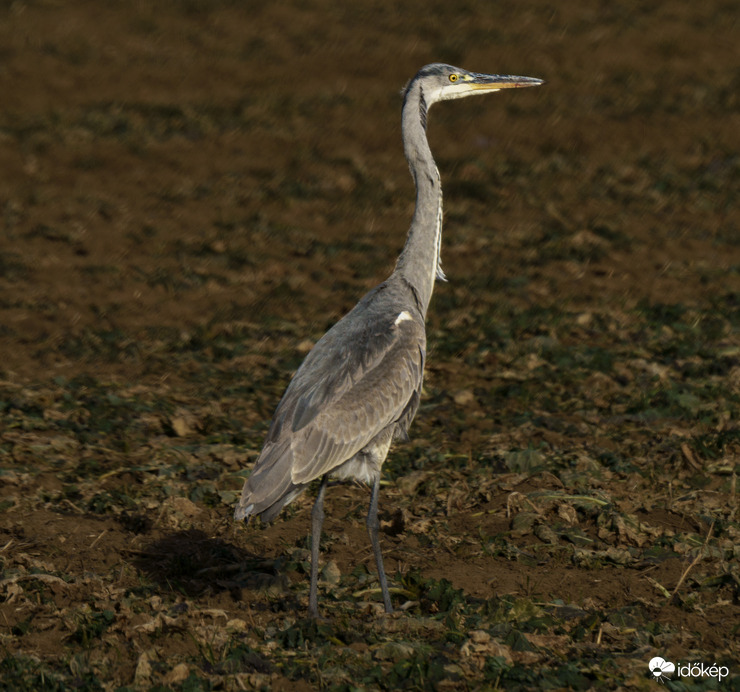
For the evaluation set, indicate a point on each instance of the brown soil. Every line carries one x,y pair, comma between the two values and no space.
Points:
193,193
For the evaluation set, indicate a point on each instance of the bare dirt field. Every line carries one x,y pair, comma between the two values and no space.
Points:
193,191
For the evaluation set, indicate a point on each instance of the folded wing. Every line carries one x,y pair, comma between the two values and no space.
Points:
357,381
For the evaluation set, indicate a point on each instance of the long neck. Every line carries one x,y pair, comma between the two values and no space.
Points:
419,262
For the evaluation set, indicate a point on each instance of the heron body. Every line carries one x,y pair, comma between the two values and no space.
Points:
359,387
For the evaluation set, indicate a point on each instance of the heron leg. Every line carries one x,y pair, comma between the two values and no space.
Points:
373,525
317,519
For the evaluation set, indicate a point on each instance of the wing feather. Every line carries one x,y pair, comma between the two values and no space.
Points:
363,376
370,393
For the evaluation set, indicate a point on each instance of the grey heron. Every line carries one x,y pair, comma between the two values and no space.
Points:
358,388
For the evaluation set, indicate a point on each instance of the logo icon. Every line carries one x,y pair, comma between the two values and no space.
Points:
660,668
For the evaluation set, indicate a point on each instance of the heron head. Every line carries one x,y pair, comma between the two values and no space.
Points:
441,82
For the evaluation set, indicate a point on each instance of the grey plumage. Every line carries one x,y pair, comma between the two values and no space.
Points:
359,387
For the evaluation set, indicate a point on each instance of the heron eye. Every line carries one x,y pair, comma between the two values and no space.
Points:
453,77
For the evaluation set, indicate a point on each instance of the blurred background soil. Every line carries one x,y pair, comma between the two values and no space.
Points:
192,191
